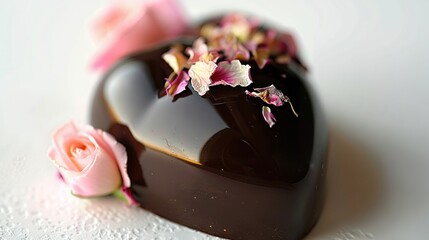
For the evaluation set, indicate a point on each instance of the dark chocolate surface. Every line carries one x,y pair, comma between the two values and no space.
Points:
212,163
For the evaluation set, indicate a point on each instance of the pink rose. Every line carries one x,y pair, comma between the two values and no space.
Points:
133,25
91,161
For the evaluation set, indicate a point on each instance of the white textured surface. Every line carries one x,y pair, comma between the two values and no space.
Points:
368,61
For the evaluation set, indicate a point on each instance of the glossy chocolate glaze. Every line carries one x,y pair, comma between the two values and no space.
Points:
212,163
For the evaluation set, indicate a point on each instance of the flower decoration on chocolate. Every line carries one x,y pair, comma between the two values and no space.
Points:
272,95
222,54
268,116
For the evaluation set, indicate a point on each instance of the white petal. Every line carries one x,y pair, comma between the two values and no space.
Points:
200,74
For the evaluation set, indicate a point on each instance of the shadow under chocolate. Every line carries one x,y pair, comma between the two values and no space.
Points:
354,185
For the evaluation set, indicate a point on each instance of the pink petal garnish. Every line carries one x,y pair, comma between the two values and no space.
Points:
178,84
262,55
175,59
283,59
270,95
289,44
200,52
237,25
268,116
199,48
235,50
231,73
200,74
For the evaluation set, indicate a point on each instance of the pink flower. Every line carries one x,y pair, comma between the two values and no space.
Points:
91,161
130,26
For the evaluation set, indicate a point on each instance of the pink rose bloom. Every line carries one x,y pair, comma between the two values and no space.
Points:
91,161
129,26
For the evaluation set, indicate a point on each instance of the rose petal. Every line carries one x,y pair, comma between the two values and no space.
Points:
283,59
100,178
175,59
178,84
273,96
199,48
262,55
232,48
120,155
78,149
200,74
238,25
257,38
268,116
232,73
57,152
270,95
289,44
97,134
200,52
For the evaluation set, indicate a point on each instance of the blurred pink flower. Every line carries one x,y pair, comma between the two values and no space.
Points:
129,26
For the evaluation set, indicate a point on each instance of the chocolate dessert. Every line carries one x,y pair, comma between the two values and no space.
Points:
239,160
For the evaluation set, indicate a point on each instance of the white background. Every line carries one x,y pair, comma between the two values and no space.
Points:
369,63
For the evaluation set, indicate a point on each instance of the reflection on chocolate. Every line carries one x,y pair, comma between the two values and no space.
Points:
212,163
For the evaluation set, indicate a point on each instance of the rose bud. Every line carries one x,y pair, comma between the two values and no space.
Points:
90,161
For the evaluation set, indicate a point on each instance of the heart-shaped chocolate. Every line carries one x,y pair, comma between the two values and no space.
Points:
214,162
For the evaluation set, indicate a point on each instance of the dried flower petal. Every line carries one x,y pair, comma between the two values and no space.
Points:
272,95
268,116
257,38
200,52
198,49
283,59
233,49
177,85
210,31
237,25
232,73
261,55
175,59
200,74
289,44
